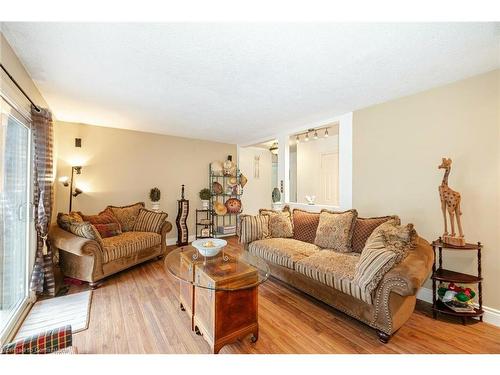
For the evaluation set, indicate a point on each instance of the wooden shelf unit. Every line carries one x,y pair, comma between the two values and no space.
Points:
440,274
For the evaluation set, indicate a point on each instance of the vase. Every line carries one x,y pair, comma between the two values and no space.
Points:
155,206
204,204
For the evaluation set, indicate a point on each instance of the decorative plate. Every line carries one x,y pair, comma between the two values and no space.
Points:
243,181
220,209
233,205
217,188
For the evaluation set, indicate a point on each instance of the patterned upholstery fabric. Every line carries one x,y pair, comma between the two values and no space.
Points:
253,228
149,221
305,225
280,222
108,230
387,245
64,220
127,244
363,227
105,223
282,251
85,230
126,215
42,343
335,230
333,269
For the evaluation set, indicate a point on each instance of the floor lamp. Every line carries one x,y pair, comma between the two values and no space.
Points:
77,191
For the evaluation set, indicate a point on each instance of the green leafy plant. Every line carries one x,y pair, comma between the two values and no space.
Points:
154,194
205,194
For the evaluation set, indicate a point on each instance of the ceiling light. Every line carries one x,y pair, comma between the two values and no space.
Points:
307,137
326,133
274,148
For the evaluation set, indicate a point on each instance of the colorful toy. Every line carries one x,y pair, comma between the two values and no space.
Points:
455,292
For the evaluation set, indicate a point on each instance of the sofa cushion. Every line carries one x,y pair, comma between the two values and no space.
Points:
305,225
85,230
64,220
282,251
125,215
127,244
108,229
335,230
253,228
280,222
363,227
149,221
333,269
105,223
387,246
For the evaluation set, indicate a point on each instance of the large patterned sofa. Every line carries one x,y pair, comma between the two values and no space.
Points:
92,247
368,268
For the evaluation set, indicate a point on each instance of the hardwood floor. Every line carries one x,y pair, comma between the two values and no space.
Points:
137,311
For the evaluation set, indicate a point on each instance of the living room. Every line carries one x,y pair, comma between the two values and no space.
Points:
219,188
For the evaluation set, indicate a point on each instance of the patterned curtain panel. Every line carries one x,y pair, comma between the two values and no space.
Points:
42,278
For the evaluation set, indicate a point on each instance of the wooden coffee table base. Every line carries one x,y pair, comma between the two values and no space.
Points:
223,317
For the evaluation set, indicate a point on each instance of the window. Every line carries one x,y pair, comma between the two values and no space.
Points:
15,190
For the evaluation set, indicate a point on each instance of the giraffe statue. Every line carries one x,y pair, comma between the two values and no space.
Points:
450,201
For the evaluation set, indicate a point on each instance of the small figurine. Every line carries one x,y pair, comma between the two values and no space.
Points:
450,201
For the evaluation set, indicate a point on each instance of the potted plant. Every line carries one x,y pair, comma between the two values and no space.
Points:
154,195
205,195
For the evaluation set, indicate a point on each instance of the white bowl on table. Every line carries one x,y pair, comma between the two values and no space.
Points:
209,251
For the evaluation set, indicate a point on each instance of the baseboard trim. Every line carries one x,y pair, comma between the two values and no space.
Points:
491,316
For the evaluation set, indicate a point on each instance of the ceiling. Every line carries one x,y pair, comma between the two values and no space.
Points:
240,83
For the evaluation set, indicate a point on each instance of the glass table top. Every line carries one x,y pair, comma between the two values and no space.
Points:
230,269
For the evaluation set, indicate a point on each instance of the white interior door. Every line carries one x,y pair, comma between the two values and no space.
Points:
329,172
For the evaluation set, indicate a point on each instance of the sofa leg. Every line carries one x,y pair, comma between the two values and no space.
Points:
383,337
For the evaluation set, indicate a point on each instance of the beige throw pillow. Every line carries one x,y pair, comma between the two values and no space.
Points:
387,246
280,222
335,230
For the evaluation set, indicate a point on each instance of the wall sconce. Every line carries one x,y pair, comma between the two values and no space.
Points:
274,148
72,193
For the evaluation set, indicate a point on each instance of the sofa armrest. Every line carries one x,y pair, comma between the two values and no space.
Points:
411,273
74,244
166,227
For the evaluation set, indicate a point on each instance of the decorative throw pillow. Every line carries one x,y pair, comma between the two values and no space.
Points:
280,222
125,215
64,220
386,246
253,228
363,227
149,221
335,230
108,229
305,225
85,230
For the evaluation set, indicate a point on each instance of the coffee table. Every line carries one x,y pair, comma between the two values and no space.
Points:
219,293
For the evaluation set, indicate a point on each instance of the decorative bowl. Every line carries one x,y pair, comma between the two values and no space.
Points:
209,251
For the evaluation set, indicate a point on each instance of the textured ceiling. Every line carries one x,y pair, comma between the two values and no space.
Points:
240,83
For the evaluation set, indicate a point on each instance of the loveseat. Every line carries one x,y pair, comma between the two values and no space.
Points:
92,247
342,277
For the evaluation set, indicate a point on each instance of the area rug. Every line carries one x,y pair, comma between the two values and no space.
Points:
73,309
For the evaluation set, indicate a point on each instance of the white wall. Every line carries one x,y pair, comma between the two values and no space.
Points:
257,192
397,147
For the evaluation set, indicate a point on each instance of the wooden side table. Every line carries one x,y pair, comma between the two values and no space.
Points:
440,274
